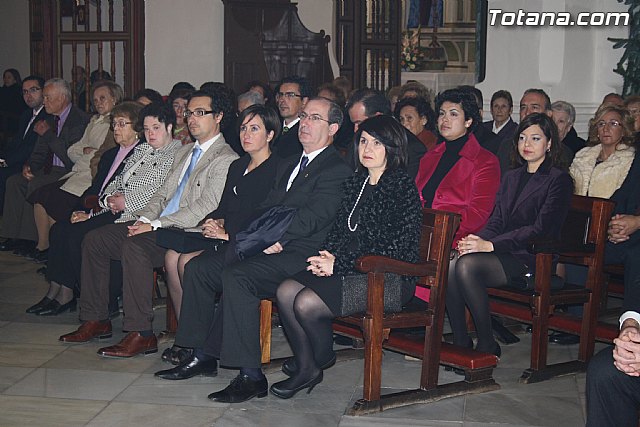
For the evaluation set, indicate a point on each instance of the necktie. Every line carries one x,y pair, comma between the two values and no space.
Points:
174,203
303,164
285,129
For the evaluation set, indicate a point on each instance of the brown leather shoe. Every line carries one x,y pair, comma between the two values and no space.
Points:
89,330
131,345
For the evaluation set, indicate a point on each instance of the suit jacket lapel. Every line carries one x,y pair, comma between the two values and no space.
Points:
536,183
313,166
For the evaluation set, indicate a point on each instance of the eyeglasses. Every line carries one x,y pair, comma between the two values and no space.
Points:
313,117
288,95
120,125
198,113
31,90
610,123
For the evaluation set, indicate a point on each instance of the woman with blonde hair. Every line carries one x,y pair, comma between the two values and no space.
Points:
599,169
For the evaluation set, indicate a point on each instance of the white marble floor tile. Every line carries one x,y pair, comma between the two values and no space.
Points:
72,384
27,355
47,412
119,414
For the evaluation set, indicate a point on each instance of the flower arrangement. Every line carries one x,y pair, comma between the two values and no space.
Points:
410,55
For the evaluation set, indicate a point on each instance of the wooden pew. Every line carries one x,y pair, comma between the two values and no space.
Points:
375,327
582,242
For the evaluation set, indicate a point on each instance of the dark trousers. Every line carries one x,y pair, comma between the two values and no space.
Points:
139,255
200,324
613,397
17,217
245,283
627,253
5,173
65,249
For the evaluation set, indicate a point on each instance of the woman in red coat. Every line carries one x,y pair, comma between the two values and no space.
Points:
458,175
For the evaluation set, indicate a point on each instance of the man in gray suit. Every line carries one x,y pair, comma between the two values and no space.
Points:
48,161
192,189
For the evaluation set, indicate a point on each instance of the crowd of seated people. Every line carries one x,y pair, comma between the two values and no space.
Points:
343,173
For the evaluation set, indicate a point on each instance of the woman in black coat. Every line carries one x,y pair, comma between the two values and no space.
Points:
380,214
532,202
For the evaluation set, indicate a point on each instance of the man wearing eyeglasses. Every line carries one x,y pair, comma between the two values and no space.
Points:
192,189
54,133
311,183
16,151
291,95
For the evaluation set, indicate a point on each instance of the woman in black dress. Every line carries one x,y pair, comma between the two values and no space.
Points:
248,182
380,214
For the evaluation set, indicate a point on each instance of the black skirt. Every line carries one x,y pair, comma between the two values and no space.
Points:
330,290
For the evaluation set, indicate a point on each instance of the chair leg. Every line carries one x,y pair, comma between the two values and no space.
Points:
266,308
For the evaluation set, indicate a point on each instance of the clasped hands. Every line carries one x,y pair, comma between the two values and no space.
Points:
626,354
116,203
472,243
214,229
138,227
322,264
621,227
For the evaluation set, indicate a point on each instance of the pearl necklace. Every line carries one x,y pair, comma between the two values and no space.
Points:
364,184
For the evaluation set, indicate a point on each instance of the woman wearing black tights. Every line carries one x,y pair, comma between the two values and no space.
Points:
533,201
380,214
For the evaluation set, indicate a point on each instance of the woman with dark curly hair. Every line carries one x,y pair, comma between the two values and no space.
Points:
600,169
417,115
380,214
533,201
458,175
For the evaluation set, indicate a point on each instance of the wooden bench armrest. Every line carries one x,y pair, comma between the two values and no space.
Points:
382,264
553,246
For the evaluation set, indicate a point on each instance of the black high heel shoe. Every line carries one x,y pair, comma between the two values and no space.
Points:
280,389
290,367
40,305
54,308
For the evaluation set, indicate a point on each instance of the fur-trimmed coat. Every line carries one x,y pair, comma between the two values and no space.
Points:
604,179
389,222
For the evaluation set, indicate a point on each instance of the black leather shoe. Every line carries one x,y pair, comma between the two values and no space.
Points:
283,390
290,368
42,271
176,355
242,388
564,338
54,308
39,306
24,247
40,256
190,368
8,245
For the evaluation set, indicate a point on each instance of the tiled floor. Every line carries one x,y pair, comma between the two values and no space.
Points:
44,382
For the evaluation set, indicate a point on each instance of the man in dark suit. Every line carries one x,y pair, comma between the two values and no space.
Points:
292,94
311,184
48,161
487,139
365,103
613,377
18,149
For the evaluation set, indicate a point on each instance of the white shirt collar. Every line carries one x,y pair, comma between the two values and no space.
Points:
498,129
291,124
204,146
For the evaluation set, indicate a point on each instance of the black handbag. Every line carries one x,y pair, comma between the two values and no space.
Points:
354,293
185,241
264,231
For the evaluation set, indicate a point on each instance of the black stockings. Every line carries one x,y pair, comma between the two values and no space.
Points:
307,322
469,276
